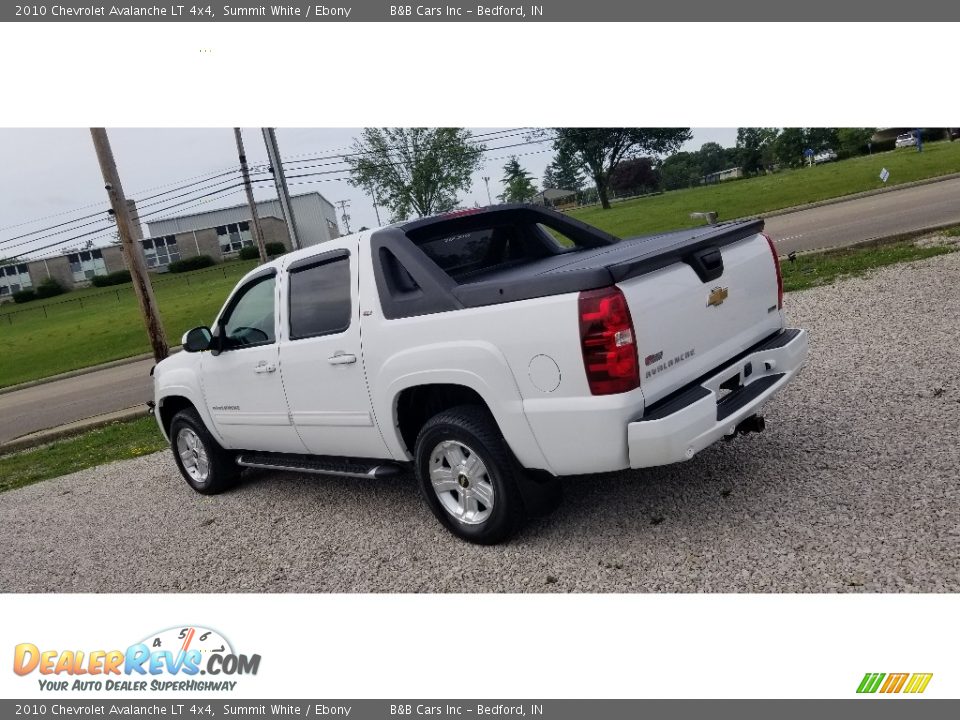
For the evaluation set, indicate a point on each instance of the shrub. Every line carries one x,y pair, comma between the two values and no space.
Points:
115,278
252,252
49,288
191,263
23,296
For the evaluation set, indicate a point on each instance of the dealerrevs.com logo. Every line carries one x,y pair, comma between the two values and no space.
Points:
173,659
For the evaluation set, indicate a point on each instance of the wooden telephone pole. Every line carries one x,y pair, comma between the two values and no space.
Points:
280,180
131,253
254,218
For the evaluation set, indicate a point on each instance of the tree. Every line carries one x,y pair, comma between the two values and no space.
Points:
821,138
853,141
680,170
713,158
789,146
600,150
517,183
634,176
564,173
414,170
755,148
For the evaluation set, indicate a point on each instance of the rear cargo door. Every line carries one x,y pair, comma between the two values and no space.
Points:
687,326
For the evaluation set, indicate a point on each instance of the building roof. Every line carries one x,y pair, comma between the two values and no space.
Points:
237,206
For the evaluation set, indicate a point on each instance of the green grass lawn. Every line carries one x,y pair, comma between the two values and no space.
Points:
752,196
117,441
823,268
54,335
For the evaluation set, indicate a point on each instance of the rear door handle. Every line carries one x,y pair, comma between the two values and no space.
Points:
342,359
265,367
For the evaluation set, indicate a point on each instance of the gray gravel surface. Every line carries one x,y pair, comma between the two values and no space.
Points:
854,487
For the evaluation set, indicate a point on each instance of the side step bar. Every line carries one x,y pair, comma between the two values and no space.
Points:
320,465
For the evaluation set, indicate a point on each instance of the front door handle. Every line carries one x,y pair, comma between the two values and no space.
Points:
342,359
265,367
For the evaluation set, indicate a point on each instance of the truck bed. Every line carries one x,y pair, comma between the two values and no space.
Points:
591,268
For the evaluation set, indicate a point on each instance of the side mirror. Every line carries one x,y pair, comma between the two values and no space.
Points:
197,340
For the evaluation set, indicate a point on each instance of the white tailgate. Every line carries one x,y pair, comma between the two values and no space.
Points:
680,337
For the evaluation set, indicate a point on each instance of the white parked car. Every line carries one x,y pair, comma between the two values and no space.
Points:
906,140
824,156
485,355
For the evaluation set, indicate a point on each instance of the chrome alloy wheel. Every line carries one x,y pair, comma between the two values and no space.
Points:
460,480
193,455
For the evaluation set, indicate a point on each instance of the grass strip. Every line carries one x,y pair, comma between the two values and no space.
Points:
121,440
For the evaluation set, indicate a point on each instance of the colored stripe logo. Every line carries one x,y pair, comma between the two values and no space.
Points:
913,683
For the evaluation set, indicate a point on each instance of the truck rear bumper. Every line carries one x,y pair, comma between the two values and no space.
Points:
682,425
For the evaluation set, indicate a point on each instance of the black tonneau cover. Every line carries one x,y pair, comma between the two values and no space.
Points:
600,267
600,259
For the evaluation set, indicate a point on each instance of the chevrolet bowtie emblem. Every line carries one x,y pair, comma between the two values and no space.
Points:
717,296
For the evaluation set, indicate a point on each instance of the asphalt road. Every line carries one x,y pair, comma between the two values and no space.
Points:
56,403
852,488
844,223
890,213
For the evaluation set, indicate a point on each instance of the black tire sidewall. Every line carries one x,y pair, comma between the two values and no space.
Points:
221,474
476,430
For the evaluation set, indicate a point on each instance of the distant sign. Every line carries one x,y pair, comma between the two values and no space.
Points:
884,174
808,152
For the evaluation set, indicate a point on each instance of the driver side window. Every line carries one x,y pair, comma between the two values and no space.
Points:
250,320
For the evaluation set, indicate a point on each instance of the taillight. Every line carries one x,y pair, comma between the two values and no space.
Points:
607,341
776,264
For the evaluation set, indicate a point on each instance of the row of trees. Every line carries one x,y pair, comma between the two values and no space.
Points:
421,171
761,148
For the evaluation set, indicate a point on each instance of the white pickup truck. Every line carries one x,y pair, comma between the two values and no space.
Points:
491,351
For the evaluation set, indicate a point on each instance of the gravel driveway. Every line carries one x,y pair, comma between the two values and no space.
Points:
854,487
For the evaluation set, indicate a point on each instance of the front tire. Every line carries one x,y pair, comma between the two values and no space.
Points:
468,475
204,464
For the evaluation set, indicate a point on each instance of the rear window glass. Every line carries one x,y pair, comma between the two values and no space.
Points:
320,299
467,254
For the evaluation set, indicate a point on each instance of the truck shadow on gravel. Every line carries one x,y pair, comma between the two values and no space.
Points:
655,501
636,503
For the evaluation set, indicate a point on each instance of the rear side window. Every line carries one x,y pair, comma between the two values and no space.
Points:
320,299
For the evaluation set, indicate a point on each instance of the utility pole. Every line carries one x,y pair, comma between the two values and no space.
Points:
280,180
486,181
131,253
373,194
346,218
254,218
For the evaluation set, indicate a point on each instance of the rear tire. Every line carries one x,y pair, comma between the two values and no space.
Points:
468,476
205,465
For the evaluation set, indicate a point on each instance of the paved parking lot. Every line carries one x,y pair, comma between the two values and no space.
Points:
854,487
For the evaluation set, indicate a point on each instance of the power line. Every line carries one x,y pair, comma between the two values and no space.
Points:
343,174
106,233
204,177
140,206
99,215
100,232
333,156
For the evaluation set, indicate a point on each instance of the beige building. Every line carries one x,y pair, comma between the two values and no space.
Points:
222,233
